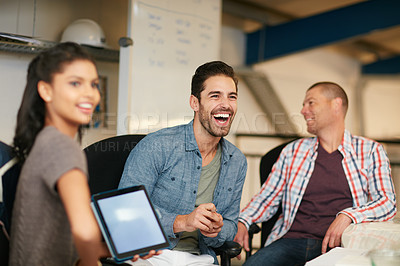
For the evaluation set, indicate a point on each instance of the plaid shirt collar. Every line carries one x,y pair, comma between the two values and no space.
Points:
346,147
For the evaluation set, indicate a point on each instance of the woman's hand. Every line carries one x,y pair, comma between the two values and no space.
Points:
148,256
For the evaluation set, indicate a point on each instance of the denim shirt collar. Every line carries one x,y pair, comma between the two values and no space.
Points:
191,143
190,140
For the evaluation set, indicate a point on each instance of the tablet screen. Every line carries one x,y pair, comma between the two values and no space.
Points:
129,222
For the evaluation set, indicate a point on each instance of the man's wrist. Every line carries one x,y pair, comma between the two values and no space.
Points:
179,224
348,215
244,222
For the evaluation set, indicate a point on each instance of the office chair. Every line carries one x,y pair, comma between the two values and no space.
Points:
4,245
106,161
266,164
9,173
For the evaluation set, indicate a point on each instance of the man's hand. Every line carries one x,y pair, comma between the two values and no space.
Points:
216,224
242,237
334,233
204,217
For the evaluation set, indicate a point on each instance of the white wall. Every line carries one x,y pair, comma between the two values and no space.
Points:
381,107
48,23
292,75
13,75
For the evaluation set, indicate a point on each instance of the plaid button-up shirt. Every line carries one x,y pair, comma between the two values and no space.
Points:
365,165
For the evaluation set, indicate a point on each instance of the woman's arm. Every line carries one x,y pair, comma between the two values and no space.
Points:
75,194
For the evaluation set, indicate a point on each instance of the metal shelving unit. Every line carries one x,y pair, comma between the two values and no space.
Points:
100,54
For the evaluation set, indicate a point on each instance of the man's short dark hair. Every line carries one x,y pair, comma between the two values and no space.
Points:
332,90
210,69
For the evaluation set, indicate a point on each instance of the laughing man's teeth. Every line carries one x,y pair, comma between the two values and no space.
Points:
222,115
86,105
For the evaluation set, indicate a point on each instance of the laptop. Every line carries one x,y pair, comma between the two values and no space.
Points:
128,222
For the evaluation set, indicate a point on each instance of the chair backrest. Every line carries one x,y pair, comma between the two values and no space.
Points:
9,180
266,164
106,161
4,245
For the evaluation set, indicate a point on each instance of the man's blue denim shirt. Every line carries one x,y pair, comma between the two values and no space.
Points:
168,162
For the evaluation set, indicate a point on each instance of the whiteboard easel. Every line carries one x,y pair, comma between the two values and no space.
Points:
171,39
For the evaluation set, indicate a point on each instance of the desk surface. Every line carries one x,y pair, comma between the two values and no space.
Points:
373,235
342,257
358,240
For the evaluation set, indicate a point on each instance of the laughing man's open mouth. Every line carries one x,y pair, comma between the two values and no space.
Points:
222,118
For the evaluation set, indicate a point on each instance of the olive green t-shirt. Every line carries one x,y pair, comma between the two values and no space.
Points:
189,241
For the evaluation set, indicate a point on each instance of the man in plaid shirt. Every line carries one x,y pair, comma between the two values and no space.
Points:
323,184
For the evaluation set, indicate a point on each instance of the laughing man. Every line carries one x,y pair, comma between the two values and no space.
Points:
193,175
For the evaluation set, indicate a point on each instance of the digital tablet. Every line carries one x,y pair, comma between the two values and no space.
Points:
128,222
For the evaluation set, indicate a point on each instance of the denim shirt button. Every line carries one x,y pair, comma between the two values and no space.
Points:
194,192
198,167
229,189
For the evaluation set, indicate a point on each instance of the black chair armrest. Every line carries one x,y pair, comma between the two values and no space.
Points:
253,229
228,250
